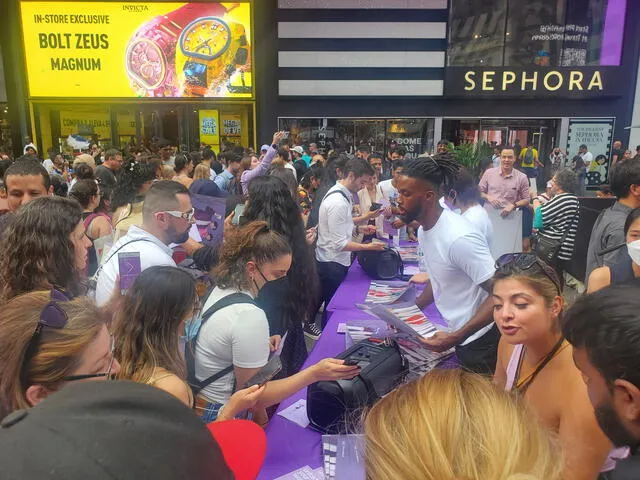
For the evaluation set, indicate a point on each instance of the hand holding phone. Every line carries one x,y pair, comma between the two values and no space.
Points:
270,370
129,268
375,206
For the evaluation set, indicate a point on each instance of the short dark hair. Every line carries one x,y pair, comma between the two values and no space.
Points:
27,167
162,196
444,141
111,153
567,180
364,148
632,217
583,146
607,325
438,170
208,153
375,155
466,187
623,175
359,167
83,191
397,164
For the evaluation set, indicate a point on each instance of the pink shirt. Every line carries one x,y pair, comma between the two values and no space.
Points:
509,188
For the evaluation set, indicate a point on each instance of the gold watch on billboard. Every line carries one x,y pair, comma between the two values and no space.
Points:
151,53
212,47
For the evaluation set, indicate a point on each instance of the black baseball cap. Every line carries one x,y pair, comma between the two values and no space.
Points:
109,430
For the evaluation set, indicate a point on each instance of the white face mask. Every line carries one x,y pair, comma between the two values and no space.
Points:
634,251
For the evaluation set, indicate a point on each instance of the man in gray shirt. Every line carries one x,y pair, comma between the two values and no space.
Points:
608,230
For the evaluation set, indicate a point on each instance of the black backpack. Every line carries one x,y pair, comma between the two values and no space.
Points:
381,265
189,354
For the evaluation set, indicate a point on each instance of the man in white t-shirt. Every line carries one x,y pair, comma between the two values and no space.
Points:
336,227
167,218
458,262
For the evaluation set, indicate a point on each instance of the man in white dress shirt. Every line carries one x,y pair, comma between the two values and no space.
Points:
336,227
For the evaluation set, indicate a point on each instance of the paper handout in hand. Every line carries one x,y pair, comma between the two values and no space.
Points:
385,292
407,318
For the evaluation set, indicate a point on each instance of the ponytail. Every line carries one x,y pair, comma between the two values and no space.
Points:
254,242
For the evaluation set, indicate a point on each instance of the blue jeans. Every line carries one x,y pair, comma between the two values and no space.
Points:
211,411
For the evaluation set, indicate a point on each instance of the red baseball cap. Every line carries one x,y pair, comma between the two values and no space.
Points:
243,444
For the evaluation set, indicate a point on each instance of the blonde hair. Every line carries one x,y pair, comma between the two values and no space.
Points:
58,352
452,424
201,172
84,158
168,172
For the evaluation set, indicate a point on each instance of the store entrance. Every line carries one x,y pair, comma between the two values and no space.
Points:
541,133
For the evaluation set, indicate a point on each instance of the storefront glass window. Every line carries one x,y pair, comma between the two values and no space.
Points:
542,33
415,135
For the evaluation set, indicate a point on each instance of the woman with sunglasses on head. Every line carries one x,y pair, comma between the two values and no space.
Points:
45,246
535,361
152,332
234,341
47,341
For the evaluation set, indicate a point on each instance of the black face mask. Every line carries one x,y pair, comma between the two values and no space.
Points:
272,295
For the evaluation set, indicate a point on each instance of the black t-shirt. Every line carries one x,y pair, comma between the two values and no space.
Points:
619,152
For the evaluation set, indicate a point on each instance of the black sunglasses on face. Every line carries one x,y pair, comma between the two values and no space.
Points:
525,261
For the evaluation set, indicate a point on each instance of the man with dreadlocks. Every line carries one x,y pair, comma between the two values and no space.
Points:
458,261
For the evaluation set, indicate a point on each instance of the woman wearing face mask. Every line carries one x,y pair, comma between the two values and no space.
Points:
465,195
291,301
47,341
535,362
236,337
626,269
45,246
151,335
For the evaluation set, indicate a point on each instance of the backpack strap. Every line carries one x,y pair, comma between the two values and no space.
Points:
195,384
337,191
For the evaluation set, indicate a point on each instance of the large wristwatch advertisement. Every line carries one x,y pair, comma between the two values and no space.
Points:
117,49
193,51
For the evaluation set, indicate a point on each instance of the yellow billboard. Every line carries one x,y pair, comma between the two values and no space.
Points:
124,50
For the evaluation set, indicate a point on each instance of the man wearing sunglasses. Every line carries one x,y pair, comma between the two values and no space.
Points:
167,216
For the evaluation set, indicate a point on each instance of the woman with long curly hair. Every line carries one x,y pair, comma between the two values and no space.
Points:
44,247
128,197
271,200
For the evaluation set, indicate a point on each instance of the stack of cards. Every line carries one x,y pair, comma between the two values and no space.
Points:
421,360
409,253
385,292
343,456
358,330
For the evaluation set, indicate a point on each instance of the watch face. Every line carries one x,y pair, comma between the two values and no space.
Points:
206,38
146,63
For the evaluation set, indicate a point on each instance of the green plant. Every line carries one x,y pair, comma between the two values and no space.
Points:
469,155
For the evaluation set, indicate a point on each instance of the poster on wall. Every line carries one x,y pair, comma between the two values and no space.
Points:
124,50
596,134
209,127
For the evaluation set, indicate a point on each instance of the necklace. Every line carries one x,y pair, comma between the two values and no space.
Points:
522,384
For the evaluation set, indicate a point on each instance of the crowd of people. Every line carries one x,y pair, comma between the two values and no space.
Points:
546,389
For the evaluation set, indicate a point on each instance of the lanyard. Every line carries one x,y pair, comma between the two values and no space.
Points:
522,385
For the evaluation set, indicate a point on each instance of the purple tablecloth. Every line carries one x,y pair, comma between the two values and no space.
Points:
290,446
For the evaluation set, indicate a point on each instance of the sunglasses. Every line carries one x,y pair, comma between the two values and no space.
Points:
526,261
188,216
53,316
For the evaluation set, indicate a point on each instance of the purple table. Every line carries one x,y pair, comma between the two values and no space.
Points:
289,446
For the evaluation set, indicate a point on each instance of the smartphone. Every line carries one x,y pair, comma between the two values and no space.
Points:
129,269
375,206
270,370
350,362
237,213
